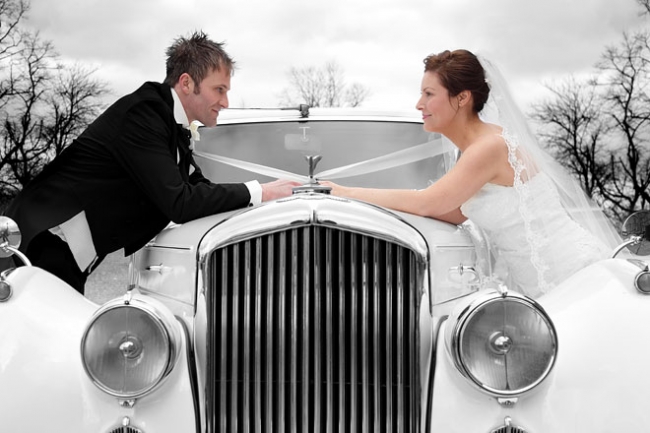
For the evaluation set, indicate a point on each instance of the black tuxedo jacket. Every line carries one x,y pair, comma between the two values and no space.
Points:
123,172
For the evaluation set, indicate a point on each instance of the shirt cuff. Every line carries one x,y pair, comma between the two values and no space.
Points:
255,190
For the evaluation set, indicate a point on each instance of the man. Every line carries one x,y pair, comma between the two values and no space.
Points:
131,171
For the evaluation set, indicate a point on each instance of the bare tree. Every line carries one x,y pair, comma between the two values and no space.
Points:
322,87
356,94
74,103
626,75
600,128
575,132
11,14
24,150
43,104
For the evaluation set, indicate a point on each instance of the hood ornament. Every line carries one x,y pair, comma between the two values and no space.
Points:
313,162
312,185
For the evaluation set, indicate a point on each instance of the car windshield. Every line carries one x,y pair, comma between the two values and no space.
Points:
386,154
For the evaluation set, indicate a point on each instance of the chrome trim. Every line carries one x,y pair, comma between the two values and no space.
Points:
508,402
6,291
128,403
153,245
243,116
5,247
642,282
156,294
456,325
313,208
633,240
165,321
161,269
319,334
125,427
508,427
639,264
10,239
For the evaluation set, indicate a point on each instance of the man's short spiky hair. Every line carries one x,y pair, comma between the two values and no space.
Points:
198,56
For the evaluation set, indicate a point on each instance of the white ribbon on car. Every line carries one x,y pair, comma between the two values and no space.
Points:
395,159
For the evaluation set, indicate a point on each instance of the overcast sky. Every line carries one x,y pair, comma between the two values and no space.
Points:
379,43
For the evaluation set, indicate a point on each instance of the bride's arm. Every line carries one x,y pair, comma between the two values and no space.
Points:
479,164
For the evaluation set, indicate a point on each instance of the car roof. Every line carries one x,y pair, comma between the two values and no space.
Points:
246,115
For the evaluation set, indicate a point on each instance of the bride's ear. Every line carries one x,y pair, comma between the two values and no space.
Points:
464,97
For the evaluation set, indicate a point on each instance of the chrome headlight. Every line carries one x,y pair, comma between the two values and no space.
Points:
505,344
130,346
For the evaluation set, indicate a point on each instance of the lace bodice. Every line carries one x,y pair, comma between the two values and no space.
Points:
533,266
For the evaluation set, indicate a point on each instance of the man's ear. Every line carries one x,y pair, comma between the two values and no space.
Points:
186,83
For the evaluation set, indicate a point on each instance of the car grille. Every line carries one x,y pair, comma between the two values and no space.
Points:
314,329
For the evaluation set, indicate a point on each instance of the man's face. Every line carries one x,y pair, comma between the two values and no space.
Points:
203,102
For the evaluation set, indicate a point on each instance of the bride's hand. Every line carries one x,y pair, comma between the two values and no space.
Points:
336,189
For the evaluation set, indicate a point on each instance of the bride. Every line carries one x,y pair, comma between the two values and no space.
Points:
532,212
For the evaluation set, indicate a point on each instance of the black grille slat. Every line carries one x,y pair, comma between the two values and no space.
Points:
270,293
246,363
390,422
233,380
223,370
354,408
282,352
294,340
376,335
400,344
329,333
314,330
367,333
306,316
257,373
344,318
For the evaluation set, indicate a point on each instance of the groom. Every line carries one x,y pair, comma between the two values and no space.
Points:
131,171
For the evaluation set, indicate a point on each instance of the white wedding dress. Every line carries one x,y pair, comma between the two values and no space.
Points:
560,247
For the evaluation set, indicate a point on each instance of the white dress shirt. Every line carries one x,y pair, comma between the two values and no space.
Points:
254,187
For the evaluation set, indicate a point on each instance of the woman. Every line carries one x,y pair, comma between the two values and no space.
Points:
536,217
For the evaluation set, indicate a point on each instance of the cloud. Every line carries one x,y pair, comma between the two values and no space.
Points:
380,43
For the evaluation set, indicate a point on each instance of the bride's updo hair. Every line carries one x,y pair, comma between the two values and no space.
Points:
460,70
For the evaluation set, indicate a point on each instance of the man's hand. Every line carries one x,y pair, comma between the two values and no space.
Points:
278,189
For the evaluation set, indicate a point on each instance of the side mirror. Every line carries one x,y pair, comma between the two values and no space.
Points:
636,229
10,238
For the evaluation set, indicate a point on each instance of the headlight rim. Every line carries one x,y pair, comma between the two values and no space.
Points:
456,325
163,319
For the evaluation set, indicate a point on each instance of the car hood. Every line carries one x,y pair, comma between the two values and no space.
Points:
435,233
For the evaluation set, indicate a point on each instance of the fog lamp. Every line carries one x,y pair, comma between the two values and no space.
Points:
130,346
505,344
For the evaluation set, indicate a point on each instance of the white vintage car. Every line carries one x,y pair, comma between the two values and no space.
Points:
320,314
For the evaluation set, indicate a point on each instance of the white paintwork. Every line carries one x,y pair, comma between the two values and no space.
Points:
600,382
43,386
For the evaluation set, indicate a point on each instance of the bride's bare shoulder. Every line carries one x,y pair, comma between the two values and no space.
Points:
490,142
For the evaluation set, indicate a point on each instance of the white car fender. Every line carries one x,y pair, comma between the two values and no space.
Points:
41,327
599,382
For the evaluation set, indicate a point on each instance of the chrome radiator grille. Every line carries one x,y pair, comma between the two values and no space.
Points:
313,330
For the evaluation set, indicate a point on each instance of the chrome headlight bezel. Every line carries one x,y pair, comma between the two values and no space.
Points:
500,342
128,343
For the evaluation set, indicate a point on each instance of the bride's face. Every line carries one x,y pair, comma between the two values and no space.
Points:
436,107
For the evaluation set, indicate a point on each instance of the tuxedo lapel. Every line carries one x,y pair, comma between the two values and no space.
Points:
183,151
